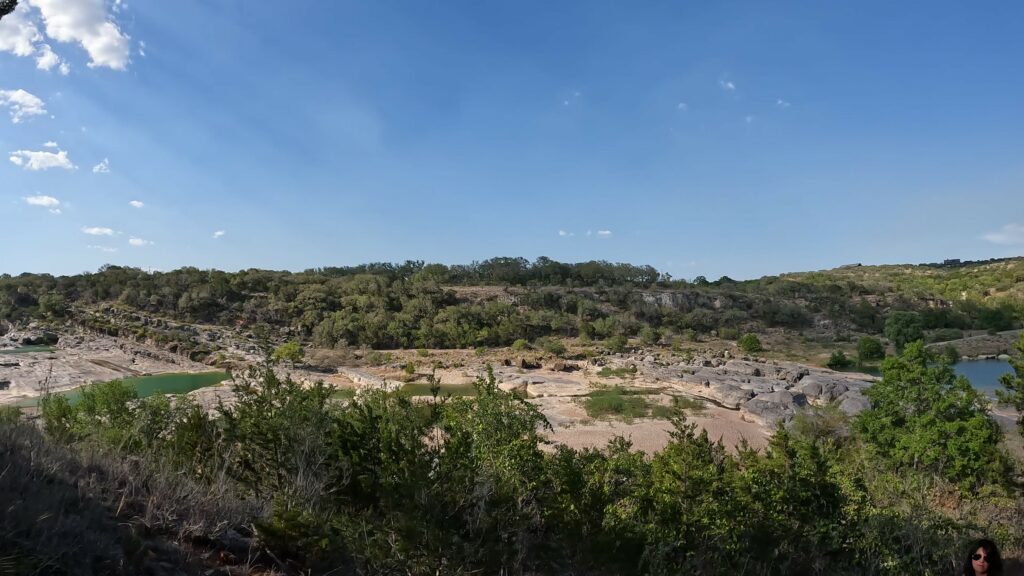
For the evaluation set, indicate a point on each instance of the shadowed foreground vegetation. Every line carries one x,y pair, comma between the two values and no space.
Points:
382,485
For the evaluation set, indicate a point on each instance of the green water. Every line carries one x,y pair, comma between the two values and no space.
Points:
26,349
422,389
152,385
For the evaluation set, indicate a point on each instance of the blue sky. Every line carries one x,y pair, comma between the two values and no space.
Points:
738,138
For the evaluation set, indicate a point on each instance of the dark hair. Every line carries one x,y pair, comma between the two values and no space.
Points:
995,563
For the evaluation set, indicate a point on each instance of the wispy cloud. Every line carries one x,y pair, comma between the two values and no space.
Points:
604,233
727,85
565,233
781,103
748,119
97,231
51,144
23,105
683,107
218,234
102,248
102,168
48,202
1007,235
41,160
47,59
139,242
136,204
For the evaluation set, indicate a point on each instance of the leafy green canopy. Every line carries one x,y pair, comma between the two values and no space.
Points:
924,417
902,328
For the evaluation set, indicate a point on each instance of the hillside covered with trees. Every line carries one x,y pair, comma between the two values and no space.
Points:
499,301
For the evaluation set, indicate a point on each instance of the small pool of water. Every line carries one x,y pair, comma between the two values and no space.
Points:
27,349
983,374
152,385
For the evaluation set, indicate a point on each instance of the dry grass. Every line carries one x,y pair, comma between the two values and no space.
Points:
82,511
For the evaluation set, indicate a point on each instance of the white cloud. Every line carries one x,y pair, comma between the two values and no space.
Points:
41,160
102,168
102,248
1009,234
136,204
219,233
139,242
782,103
86,23
18,33
51,144
49,202
97,231
604,233
727,85
46,59
683,107
564,233
22,104
142,48
46,201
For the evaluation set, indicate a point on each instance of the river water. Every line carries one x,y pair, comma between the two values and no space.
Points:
983,374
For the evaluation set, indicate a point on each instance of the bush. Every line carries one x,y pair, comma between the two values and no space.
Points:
650,336
616,344
839,361
950,355
520,345
750,343
551,346
945,334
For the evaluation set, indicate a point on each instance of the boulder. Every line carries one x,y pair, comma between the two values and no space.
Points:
810,389
769,413
728,395
556,388
853,403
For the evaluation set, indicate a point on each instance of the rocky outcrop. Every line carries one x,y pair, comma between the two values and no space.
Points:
365,380
29,337
768,392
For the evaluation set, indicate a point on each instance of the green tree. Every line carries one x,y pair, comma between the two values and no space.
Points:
750,343
839,360
902,328
1013,394
924,417
290,352
869,349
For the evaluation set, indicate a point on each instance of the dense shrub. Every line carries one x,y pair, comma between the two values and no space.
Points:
923,416
750,343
